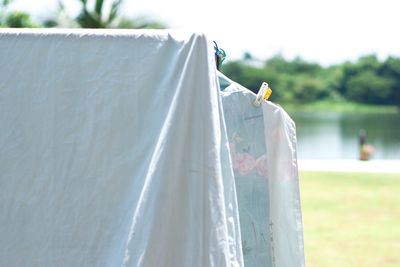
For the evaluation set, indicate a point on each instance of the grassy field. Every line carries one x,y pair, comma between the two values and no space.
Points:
351,219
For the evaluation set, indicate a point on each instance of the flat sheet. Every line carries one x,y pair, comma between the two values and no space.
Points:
113,151
263,151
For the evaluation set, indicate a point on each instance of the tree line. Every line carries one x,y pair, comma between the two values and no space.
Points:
368,80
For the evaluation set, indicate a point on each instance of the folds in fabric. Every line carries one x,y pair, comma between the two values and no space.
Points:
263,151
112,153
286,225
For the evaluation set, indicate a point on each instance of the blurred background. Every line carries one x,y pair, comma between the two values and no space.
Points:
333,65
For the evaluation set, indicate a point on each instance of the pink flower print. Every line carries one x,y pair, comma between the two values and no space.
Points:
261,166
243,163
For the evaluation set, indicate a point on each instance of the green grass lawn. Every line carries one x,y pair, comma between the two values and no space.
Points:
351,219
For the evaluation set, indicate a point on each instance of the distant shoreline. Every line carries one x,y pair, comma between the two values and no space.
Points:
340,106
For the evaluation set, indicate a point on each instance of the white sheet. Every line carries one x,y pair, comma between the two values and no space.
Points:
286,226
111,151
263,150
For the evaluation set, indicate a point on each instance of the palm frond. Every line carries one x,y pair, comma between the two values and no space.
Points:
114,10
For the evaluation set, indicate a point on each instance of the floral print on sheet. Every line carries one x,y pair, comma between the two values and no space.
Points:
245,163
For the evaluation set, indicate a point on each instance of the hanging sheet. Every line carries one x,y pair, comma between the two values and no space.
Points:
113,151
263,151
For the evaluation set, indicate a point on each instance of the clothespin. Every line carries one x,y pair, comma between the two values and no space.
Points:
263,94
220,55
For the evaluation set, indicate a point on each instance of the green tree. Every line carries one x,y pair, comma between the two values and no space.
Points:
307,89
368,87
391,70
278,63
96,17
18,19
370,81
295,66
234,70
14,19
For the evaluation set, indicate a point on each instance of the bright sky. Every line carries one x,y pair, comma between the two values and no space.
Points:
327,32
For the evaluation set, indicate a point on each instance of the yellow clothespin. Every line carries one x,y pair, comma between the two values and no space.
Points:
263,94
267,94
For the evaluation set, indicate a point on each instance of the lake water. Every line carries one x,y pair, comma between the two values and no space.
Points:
335,135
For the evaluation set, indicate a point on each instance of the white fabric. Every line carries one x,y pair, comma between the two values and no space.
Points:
245,128
113,151
263,151
286,225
